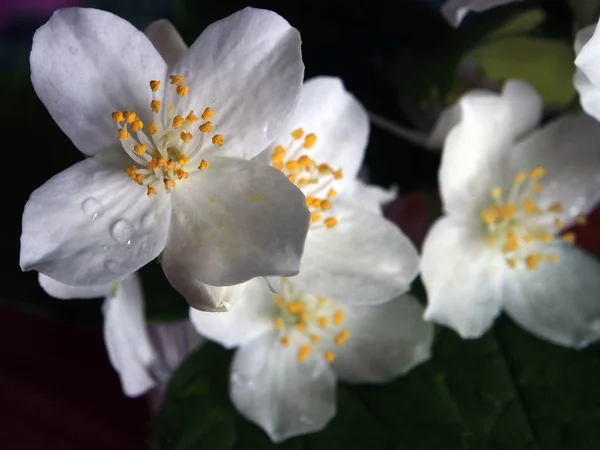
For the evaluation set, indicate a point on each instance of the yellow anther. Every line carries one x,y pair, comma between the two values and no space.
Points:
151,191
206,127
324,168
310,140
152,129
304,161
569,238
218,140
207,114
532,261
177,121
285,341
537,173
329,356
137,125
169,183
556,208
297,134
295,307
314,339
338,318
489,215
129,116
530,207
182,91
511,244
520,177
279,301
185,137
131,171
558,223
170,165
303,353
338,174
204,164
291,165
176,79
506,212
277,323
182,174
342,337
191,117
153,164
140,149
301,182
325,205
511,262
315,217
154,85
330,222
138,178
528,238
332,193
497,193
581,220
123,134
301,326
117,117
322,322
552,258
322,299
183,160
155,105
545,237
537,188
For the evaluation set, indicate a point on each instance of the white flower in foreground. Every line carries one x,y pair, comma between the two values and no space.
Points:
352,253
168,149
128,344
509,193
293,348
587,74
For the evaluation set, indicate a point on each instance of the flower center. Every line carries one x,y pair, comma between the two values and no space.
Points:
309,322
519,227
315,180
170,147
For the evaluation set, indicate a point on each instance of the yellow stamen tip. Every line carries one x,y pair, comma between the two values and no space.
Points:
338,318
218,140
185,137
137,125
204,164
182,91
285,341
129,116
207,114
177,121
314,339
169,183
151,191
123,134
332,193
206,127
342,337
537,173
497,193
297,134
117,117
277,324
155,105
330,222
315,217
325,205
322,322
329,356
520,177
154,85
303,353
140,149
176,79
310,140
191,117
152,129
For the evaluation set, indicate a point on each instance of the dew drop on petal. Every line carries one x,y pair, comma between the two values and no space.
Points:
92,208
121,231
111,265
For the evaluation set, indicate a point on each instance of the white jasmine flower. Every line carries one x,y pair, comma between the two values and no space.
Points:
587,74
294,347
128,344
167,145
352,253
510,193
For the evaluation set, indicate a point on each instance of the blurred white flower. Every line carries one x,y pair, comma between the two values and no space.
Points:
510,192
294,346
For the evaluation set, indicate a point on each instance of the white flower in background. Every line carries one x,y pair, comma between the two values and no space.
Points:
456,10
587,74
352,253
128,344
293,347
510,193
168,149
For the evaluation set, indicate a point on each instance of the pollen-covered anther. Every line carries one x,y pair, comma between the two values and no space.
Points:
182,174
137,125
338,318
182,91
207,114
310,140
152,129
203,165
297,134
155,106
151,191
314,339
206,127
341,337
129,116
123,134
532,261
154,85
177,80
191,117
117,117
303,353
139,149
185,137
177,121
169,183
330,222
315,217
218,140
278,323
285,341
184,160
329,356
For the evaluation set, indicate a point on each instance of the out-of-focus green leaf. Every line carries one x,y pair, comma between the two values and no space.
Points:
519,24
585,12
546,64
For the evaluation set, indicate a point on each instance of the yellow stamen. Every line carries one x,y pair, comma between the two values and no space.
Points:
285,341
191,117
117,117
297,134
338,318
322,322
332,193
342,337
152,129
310,140
315,217
303,353
151,191
182,174
314,339
169,183
206,127
218,140
279,300
137,125
129,116
325,205
497,193
140,149
154,85
185,137
277,324
520,177
329,356
123,134
182,91
204,164
183,160
537,173
552,258
176,79
155,105
177,121
532,261
330,222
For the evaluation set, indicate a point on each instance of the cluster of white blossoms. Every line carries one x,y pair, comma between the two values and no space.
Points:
242,177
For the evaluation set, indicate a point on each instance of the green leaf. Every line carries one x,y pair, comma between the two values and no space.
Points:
518,25
585,12
546,64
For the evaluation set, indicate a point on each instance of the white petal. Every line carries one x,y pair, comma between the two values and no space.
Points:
461,277
447,120
167,40
557,302
370,197
127,341
385,341
63,291
173,342
87,63
234,221
91,224
251,316
285,398
568,149
248,68
340,123
475,146
587,75
364,260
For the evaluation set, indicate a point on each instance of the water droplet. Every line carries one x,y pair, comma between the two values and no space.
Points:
106,249
145,247
92,208
241,381
111,265
121,231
